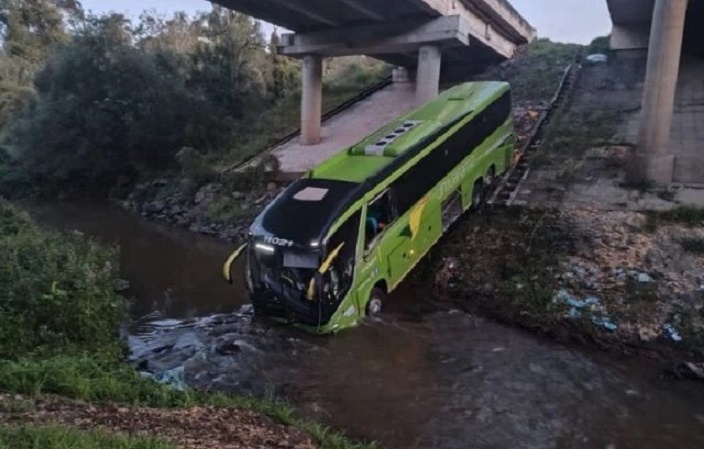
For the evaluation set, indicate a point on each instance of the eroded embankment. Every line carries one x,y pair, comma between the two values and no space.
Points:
609,279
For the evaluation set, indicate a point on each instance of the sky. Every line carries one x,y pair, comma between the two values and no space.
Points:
576,21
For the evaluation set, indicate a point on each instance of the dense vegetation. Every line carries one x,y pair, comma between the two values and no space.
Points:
90,102
59,334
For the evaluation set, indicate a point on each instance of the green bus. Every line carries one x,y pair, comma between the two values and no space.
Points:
332,246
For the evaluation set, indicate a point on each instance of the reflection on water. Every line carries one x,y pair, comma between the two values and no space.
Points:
427,379
171,271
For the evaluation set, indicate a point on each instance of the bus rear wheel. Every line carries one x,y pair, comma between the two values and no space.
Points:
477,195
375,305
490,176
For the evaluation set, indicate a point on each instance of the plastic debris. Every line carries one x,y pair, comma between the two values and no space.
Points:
590,306
597,58
175,378
605,322
672,332
644,278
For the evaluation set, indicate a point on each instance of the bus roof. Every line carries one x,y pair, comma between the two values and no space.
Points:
305,211
368,157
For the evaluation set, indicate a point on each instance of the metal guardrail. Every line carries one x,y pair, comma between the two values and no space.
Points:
509,186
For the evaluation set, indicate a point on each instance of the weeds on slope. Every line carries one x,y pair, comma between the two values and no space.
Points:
31,437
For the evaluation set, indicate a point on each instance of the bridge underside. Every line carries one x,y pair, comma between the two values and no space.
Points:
426,37
671,32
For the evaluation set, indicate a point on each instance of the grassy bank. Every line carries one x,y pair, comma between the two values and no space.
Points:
59,322
34,437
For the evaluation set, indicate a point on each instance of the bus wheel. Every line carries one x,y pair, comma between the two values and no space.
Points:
490,176
477,195
375,305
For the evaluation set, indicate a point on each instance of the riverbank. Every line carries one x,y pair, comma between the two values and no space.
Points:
63,369
605,279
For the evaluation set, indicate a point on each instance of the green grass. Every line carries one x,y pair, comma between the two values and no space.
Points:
32,437
685,215
536,72
578,130
91,380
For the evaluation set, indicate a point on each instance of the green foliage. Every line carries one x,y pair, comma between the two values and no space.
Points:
33,437
536,71
600,44
573,132
688,216
106,110
116,101
55,292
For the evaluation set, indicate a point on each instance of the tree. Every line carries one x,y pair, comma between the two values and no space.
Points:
30,28
229,63
285,71
106,110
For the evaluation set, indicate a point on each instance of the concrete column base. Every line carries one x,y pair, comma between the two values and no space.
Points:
656,168
401,75
689,169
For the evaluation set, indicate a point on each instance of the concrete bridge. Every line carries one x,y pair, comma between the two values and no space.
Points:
670,143
425,37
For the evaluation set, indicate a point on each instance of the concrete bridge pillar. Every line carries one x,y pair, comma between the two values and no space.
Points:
428,74
654,160
311,99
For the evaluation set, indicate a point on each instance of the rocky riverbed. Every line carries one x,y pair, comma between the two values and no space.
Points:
212,209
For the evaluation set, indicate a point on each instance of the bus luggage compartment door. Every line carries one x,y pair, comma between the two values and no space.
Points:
401,258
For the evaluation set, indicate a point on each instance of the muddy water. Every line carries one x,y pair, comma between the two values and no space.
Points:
421,377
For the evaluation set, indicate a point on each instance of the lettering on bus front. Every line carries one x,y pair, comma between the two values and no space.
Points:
278,241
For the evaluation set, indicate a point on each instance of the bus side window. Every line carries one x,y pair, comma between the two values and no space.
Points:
381,212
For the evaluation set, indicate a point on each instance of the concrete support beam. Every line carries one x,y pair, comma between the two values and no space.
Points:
505,18
654,160
428,75
630,37
387,38
311,100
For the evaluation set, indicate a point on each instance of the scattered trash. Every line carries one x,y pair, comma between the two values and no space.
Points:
597,58
175,378
605,322
696,369
672,332
590,306
644,278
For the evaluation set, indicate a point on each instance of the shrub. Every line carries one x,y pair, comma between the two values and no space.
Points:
56,292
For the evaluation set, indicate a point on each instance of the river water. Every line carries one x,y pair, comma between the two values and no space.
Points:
420,377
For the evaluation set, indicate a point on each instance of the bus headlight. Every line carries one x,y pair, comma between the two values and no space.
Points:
265,248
